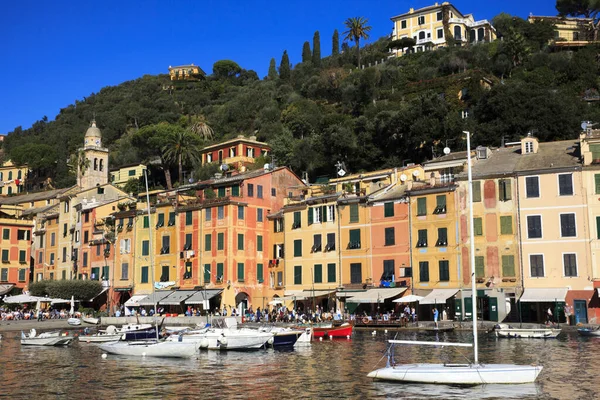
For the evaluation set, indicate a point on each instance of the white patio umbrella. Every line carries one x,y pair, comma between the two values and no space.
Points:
411,298
275,302
72,310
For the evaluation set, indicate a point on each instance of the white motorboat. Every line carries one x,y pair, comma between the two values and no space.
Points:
283,337
226,339
582,331
533,333
46,338
90,320
111,334
166,349
74,321
458,374
305,338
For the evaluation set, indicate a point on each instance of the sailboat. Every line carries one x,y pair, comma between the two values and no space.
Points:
474,373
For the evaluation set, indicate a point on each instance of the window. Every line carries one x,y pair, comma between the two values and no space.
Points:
314,215
53,239
259,243
534,226
442,237
330,213
298,275
298,248
528,147
504,190
65,230
188,218
24,234
23,256
66,206
5,234
220,212
124,271
86,217
221,192
567,225
439,16
479,266
166,245
598,227
565,184
240,239
330,272
146,222
421,20
273,192
536,263
240,212
206,273
388,270
354,239
86,236
597,182
259,191
316,244
171,219
440,207
259,273
4,275
440,33
388,210
208,242
318,278
422,206
356,273
424,271
506,227
235,190
144,278
390,238
444,266
330,242
208,214
278,251
477,226
476,191
164,276
187,274
220,241
125,247
532,187
570,264
22,273
77,236
297,222
5,256
422,238
403,24
421,35
259,215
40,257
353,212
508,266
145,248
188,241
250,190
85,259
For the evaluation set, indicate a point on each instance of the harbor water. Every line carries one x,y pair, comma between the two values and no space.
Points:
328,369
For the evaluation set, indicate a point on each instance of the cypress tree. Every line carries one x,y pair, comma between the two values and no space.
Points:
285,69
272,70
316,56
335,49
306,55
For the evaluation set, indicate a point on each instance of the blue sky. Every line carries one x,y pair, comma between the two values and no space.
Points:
55,52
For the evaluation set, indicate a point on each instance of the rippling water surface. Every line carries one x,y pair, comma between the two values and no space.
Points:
328,369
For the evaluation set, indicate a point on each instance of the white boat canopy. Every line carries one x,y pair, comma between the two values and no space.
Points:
134,300
438,296
543,295
198,297
177,297
155,297
378,295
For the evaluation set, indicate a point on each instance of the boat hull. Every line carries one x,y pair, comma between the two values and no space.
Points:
289,338
47,339
459,374
142,334
151,349
528,333
100,338
589,332
89,320
224,339
338,331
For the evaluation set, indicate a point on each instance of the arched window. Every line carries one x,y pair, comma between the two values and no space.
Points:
10,190
421,35
480,34
457,33
1,176
101,164
10,175
19,174
95,164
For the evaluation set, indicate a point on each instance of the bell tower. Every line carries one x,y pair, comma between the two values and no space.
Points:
92,164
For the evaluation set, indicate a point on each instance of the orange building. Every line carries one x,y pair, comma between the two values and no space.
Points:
15,247
239,151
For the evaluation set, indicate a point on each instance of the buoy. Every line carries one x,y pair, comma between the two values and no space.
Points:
104,355
347,336
321,339
374,333
204,343
330,337
271,341
386,331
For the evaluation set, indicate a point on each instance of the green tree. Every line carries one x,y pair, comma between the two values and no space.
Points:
226,69
285,69
34,155
357,30
316,56
181,148
576,8
306,54
335,43
133,185
199,126
272,75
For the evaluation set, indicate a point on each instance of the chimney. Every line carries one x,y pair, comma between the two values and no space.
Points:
409,185
412,10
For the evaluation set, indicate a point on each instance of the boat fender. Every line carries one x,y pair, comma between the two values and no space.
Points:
123,336
271,341
365,320
204,343
223,341
180,338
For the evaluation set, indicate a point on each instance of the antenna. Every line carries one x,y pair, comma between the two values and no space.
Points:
340,169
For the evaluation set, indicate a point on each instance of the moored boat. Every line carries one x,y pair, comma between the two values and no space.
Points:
166,349
46,338
541,333
284,336
226,339
589,332
90,320
74,321
341,331
111,334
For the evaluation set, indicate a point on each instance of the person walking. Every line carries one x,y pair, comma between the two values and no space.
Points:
435,316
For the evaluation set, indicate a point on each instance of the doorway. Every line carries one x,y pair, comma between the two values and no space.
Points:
580,311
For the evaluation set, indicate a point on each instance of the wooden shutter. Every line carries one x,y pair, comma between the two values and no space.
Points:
479,266
476,191
508,265
310,215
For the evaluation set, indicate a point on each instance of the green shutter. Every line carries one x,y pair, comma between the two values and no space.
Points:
318,273
597,181
323,213
259,243
440,200
310,215
145,248
235,190
240,241
240,272
330,272
144,274
297,217
220,241
298,248
22,256
506,227
479,267
171,218
353,212
220,271
207,242
206,273
259,273
161,220
478,226
221,192
505,190
298,275
188,217
476,191
388,210
508,266
422,206
355,238
146,222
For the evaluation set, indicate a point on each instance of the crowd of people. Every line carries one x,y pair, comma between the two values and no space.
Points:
32,314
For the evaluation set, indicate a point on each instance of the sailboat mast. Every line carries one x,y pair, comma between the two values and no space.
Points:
472,250
150,245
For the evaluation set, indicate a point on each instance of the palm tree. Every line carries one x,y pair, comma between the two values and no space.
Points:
357,29
200,127
182,147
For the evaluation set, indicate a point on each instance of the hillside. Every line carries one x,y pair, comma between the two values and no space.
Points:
405,109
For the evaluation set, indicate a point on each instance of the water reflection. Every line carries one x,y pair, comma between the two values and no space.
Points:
335,369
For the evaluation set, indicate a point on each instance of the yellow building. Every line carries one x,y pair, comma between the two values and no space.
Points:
440,25
568,31
186,72
12,178
120,176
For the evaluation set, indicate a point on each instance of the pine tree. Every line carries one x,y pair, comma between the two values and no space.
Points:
335,42
316,56
285,69
272,70
306,54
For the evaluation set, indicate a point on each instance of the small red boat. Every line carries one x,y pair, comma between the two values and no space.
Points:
341,331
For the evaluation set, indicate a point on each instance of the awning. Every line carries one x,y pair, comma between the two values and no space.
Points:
155,298
134,300
24,298
543,295
438,296
93,298
375,295
177,297
198,297
299,295
6,287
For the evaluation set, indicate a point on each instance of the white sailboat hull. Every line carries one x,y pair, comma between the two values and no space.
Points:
226,339
528,333
46,339
151,349
100,338
459,374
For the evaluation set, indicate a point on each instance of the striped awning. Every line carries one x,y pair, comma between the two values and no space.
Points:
154,298
543,295
378,295
177,297
438,296
198,297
